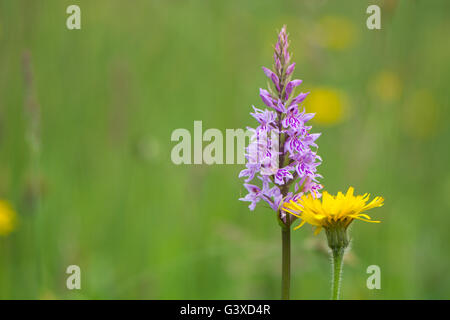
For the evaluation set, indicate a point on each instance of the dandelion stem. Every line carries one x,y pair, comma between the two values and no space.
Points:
285,262
338,255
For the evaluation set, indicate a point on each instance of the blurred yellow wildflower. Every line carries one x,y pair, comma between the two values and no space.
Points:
7,218
336,33
328,104
332,210
386,86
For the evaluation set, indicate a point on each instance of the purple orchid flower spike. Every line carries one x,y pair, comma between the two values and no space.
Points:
281,165
282,152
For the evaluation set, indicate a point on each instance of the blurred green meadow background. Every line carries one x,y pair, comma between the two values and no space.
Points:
86,118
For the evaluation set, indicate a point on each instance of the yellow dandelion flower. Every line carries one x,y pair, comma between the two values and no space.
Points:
7,218
332,211
334,214
328,104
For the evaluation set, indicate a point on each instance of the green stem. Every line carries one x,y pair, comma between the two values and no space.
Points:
285,262
338,257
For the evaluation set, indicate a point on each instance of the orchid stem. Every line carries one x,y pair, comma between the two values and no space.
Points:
286,262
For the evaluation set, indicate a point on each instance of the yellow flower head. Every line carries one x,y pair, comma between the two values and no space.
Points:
328,104
7,218
332,211
336,33
386,86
